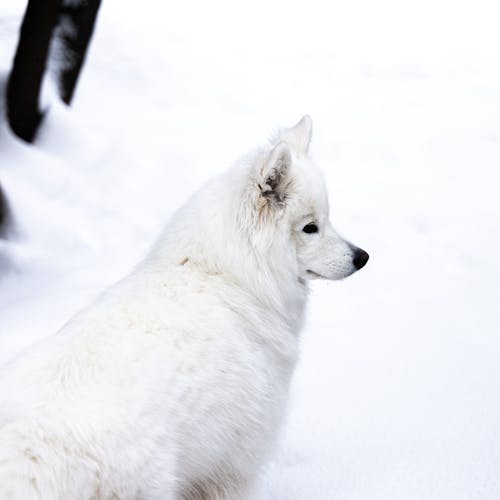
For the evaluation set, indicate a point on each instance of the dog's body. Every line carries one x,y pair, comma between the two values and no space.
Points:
172,385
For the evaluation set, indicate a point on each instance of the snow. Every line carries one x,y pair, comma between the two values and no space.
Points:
397,393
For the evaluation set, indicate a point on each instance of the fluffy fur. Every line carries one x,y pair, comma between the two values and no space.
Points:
173,383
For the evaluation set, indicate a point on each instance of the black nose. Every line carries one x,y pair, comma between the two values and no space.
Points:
360,258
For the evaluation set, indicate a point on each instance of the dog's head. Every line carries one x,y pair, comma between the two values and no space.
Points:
290,196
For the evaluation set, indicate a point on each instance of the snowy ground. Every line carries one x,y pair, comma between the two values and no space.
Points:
398,393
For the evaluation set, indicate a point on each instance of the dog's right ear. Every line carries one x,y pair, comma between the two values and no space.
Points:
273,175
299,136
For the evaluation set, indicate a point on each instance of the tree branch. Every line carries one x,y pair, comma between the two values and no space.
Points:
30,61
77,23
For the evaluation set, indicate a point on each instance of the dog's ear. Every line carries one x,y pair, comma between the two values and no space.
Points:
299,136
273,176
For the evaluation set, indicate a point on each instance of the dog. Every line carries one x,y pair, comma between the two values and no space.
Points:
173,383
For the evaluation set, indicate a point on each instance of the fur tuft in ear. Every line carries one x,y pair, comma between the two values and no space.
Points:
299,136
274,172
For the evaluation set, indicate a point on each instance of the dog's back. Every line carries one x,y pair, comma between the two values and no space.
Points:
157,383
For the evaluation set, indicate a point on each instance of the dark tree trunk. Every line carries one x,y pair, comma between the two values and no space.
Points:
30,61
74,34
3,213
75,25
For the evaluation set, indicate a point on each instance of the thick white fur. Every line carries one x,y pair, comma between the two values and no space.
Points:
173,383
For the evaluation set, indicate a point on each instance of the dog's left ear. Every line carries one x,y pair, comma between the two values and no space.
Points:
274,172
299,136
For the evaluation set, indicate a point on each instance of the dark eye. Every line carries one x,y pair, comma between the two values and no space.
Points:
310,228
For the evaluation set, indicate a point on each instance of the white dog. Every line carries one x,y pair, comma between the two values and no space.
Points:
172,384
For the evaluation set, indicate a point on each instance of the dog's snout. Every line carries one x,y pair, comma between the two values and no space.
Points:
360,258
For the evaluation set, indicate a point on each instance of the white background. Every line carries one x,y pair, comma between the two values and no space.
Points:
397,395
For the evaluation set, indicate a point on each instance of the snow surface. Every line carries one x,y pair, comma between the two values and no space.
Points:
398,392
